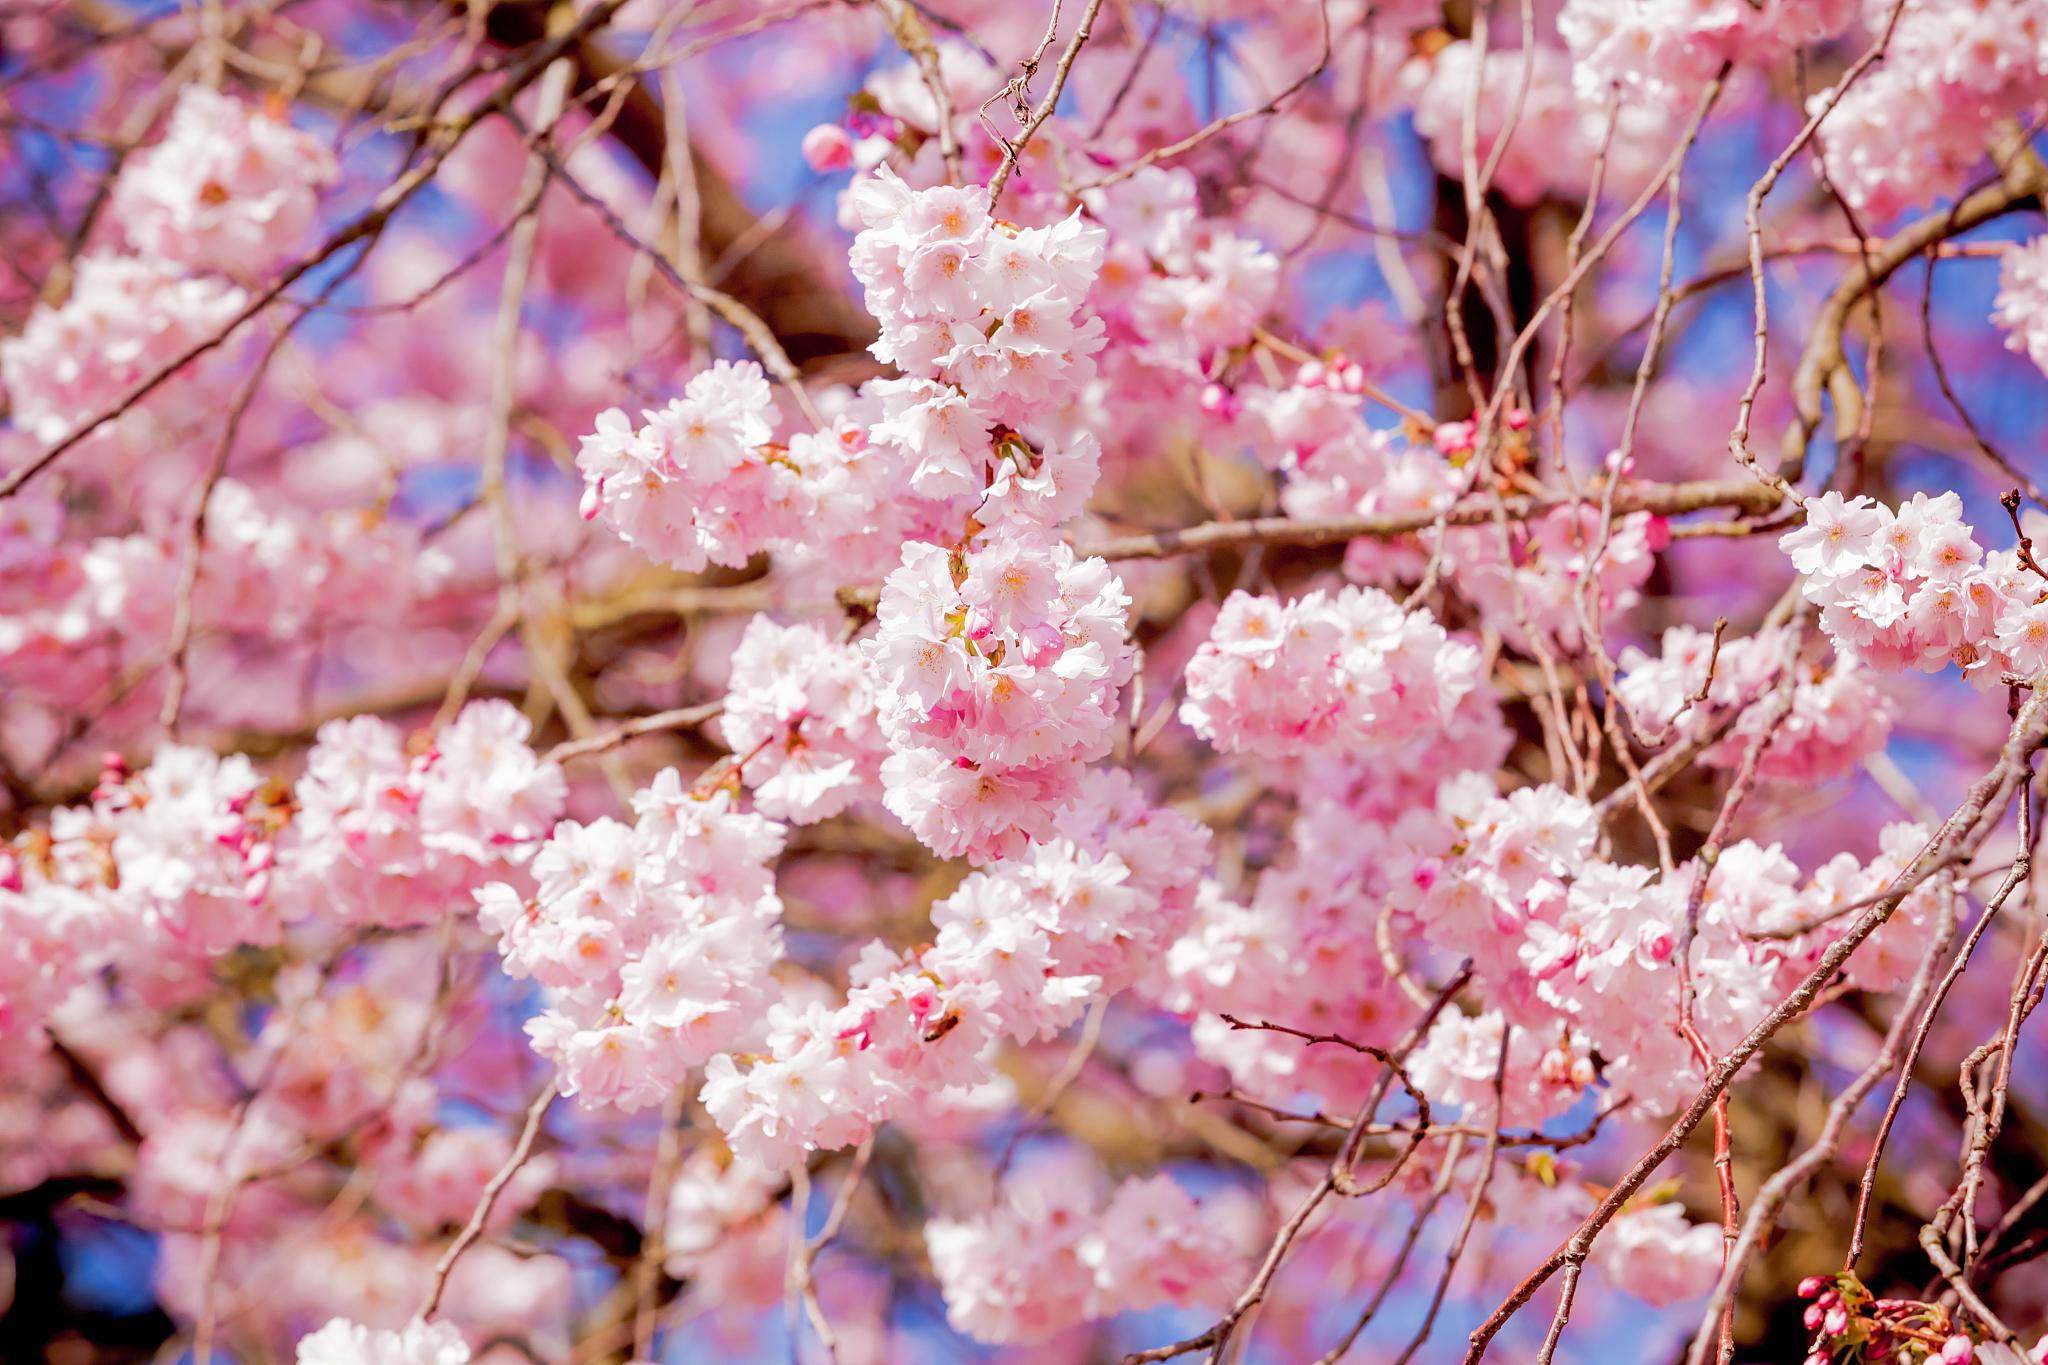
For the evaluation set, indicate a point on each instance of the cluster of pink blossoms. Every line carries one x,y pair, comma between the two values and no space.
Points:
394,834
342,1342
228,192
1659,1255
1351,667
1658,50
1020,950
1554,565
347,1060
1839,714
264,569
2021,307
826,1078
1053,1253
994,314
1566,941
1313,427
127,317
1553,571
1305,949
1911,588
799,705
988,324
694,484
1547,1069
198,854
229,189
1177,288
997,670
725,1232
164,871
1553,132
1817,914
655,940
1916,125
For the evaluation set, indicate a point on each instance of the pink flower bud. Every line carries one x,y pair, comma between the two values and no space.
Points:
1221,403
1452,438
828,147
1812,1285
1837,1320
1958,1349
1814,1314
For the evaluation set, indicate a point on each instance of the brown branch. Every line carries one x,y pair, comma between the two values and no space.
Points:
1669,499
1014,151
1822,363
1337,1178
1965,829
488,1200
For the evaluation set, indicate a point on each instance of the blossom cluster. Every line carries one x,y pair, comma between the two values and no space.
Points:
1837,716
1351,667
1177,287
1917,124
127,317
1911,588
800,705
989,325
694,484
227,189
342,1342
996,671
1535,126
1566,940
1020,950
1655,51
164,870
992,313
394,834
1309,946
655,940
197,855
1556,571
227,193
726,1230
1053,1252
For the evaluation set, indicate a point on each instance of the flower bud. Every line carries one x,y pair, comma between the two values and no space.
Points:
828,147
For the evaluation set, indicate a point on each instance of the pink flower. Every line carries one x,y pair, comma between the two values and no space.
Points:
229,189
828,147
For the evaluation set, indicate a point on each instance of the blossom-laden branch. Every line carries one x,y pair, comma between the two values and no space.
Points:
874,661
